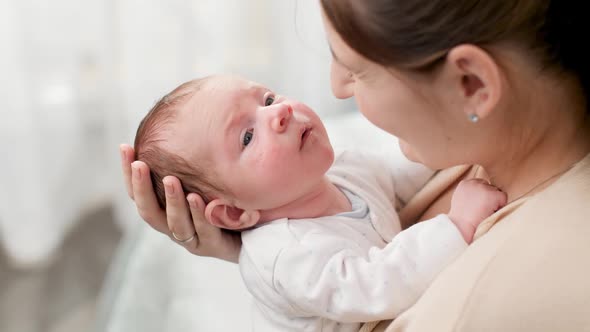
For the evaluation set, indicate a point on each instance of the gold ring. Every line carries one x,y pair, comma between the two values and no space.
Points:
184,241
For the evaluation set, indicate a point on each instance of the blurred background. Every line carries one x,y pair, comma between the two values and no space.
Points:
76,76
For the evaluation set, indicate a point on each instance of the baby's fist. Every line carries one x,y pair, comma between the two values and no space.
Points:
473,201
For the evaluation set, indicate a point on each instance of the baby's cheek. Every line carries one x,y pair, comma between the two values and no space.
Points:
271,158
269,164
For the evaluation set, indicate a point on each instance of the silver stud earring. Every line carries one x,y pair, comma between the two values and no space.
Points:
473,118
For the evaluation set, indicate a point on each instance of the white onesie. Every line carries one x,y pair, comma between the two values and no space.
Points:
332,273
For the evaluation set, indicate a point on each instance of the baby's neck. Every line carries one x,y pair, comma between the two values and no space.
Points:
324,200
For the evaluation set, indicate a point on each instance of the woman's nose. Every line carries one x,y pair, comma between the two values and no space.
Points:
280,117
341,81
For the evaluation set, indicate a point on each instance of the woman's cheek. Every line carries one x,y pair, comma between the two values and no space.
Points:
368,110
377,109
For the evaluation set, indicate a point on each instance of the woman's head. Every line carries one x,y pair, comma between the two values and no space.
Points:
419,69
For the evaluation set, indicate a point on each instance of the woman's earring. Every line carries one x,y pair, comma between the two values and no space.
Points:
473,118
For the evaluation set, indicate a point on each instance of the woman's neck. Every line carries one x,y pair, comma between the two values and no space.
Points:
323,200
562,139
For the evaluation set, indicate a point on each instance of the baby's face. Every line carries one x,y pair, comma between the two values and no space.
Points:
267,149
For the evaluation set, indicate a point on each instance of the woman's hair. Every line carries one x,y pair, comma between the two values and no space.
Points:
408,34
195,177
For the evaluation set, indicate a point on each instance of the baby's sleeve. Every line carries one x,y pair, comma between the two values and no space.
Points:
258,257
395,174
341,282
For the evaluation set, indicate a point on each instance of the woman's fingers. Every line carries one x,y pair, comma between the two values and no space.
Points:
197,214
205,230
179,218
199,224
127,157
145,198
197,208
183,223
139,187
213,241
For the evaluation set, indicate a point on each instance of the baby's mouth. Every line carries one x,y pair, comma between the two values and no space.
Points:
304,135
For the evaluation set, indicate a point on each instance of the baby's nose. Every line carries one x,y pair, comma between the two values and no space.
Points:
281,118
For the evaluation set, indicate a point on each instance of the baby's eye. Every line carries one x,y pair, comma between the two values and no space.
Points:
269,100
248,135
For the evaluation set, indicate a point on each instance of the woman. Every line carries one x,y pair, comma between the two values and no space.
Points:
500,84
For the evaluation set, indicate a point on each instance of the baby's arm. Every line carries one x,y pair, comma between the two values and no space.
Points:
343,283
349,285
397,176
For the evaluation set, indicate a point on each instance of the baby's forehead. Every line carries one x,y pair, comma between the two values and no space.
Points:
232,85
220,95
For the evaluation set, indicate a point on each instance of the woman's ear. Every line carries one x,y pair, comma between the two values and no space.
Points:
478,79
223,215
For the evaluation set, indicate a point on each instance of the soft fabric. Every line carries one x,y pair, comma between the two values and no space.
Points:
330,273
528,269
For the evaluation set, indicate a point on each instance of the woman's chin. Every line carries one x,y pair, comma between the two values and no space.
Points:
408,151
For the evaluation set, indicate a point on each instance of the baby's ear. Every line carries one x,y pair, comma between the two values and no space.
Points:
223,215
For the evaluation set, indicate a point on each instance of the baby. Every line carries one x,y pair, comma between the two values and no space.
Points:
322,246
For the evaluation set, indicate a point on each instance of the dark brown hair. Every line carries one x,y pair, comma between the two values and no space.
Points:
195,177
405,33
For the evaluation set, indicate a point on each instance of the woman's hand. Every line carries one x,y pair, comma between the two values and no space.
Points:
183,219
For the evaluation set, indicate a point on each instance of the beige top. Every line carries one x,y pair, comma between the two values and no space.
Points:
528,270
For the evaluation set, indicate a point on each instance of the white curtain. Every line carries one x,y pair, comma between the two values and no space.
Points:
78,75
52,128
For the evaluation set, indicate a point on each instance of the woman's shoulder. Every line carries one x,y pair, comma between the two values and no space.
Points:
538,244
568,196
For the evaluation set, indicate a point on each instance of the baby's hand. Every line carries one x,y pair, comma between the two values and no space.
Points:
472,202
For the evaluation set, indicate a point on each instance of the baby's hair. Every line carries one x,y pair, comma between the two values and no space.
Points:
195,177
